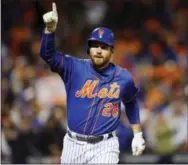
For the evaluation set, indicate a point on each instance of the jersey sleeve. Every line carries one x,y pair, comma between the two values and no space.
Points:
130,100
58,62
130,90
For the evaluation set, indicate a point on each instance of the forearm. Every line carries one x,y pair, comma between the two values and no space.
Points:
48,52
47,49
132,111
138,142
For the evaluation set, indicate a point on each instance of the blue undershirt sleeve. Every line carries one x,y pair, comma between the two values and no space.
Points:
130,102
58,62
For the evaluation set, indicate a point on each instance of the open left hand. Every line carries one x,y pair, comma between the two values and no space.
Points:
138,144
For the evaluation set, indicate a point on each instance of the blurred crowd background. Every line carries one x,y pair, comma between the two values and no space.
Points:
151,42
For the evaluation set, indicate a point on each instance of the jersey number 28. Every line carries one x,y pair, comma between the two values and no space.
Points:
110,110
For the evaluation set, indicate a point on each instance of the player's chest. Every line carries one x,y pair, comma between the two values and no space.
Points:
91,88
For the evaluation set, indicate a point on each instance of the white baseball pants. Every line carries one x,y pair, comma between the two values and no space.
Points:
75,151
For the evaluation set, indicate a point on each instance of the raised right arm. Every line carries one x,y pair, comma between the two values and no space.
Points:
58,62
49,54
47,51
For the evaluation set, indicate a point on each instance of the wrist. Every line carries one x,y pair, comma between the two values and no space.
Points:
47,31
136,128
138,134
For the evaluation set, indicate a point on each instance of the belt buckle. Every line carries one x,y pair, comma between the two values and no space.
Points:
94,140
80,138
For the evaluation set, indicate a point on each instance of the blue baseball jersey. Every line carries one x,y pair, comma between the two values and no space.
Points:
93,97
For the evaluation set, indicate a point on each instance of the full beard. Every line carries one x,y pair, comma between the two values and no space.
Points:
100,63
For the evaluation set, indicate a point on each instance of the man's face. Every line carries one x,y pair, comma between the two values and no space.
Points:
100,54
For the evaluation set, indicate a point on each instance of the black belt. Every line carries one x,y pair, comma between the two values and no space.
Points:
90,139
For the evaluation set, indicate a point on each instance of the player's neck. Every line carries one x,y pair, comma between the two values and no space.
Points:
102,68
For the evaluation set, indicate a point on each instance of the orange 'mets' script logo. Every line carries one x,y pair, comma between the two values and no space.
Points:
89,86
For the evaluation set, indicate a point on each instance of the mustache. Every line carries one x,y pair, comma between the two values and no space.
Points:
98,56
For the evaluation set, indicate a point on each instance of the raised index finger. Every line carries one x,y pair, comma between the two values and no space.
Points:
54,9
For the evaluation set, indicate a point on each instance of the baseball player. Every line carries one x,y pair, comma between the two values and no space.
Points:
95,88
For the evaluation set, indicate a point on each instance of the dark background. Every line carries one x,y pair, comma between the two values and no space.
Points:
151,42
